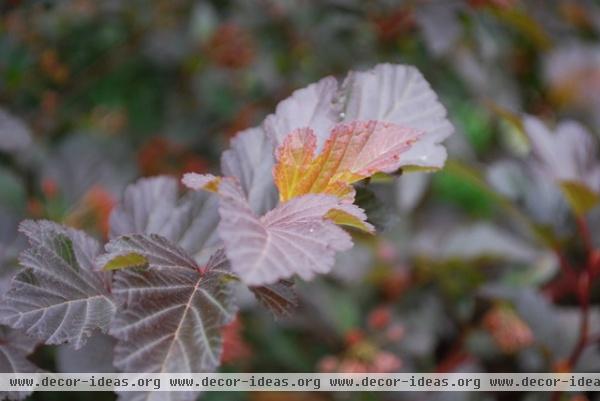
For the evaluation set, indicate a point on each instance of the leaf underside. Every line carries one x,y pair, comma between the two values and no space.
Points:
280,298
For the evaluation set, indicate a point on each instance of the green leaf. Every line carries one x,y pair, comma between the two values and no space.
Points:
511,125
418,169
475,123
467,188
579,196
126,261
460,185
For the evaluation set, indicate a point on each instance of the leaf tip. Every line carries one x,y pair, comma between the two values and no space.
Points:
207,182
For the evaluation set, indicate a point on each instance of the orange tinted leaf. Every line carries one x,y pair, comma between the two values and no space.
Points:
354,151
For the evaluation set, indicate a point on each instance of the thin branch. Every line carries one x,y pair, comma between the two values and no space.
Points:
584,295
583,289
584,231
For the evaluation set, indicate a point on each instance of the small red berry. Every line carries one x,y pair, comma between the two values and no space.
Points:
354,336
379,317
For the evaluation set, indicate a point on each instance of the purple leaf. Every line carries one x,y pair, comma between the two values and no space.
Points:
250,159
388,93
59,295
295,238
153,206
280,298
14,135
14,348
570,153
171,313
315,106
399,94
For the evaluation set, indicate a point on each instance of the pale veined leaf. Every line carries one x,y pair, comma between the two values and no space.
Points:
153,206
400,94
354,151
295,238
389,93
59,295
316,106
171,313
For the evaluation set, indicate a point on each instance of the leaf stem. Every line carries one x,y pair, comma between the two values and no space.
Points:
584,299
583,292
583,288
586,237
563,284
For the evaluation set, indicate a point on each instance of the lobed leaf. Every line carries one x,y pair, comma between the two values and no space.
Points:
568,155
353,152
389,93
153,206
58,296
316,106
294,238
171,313
250,159
83,163
400,94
